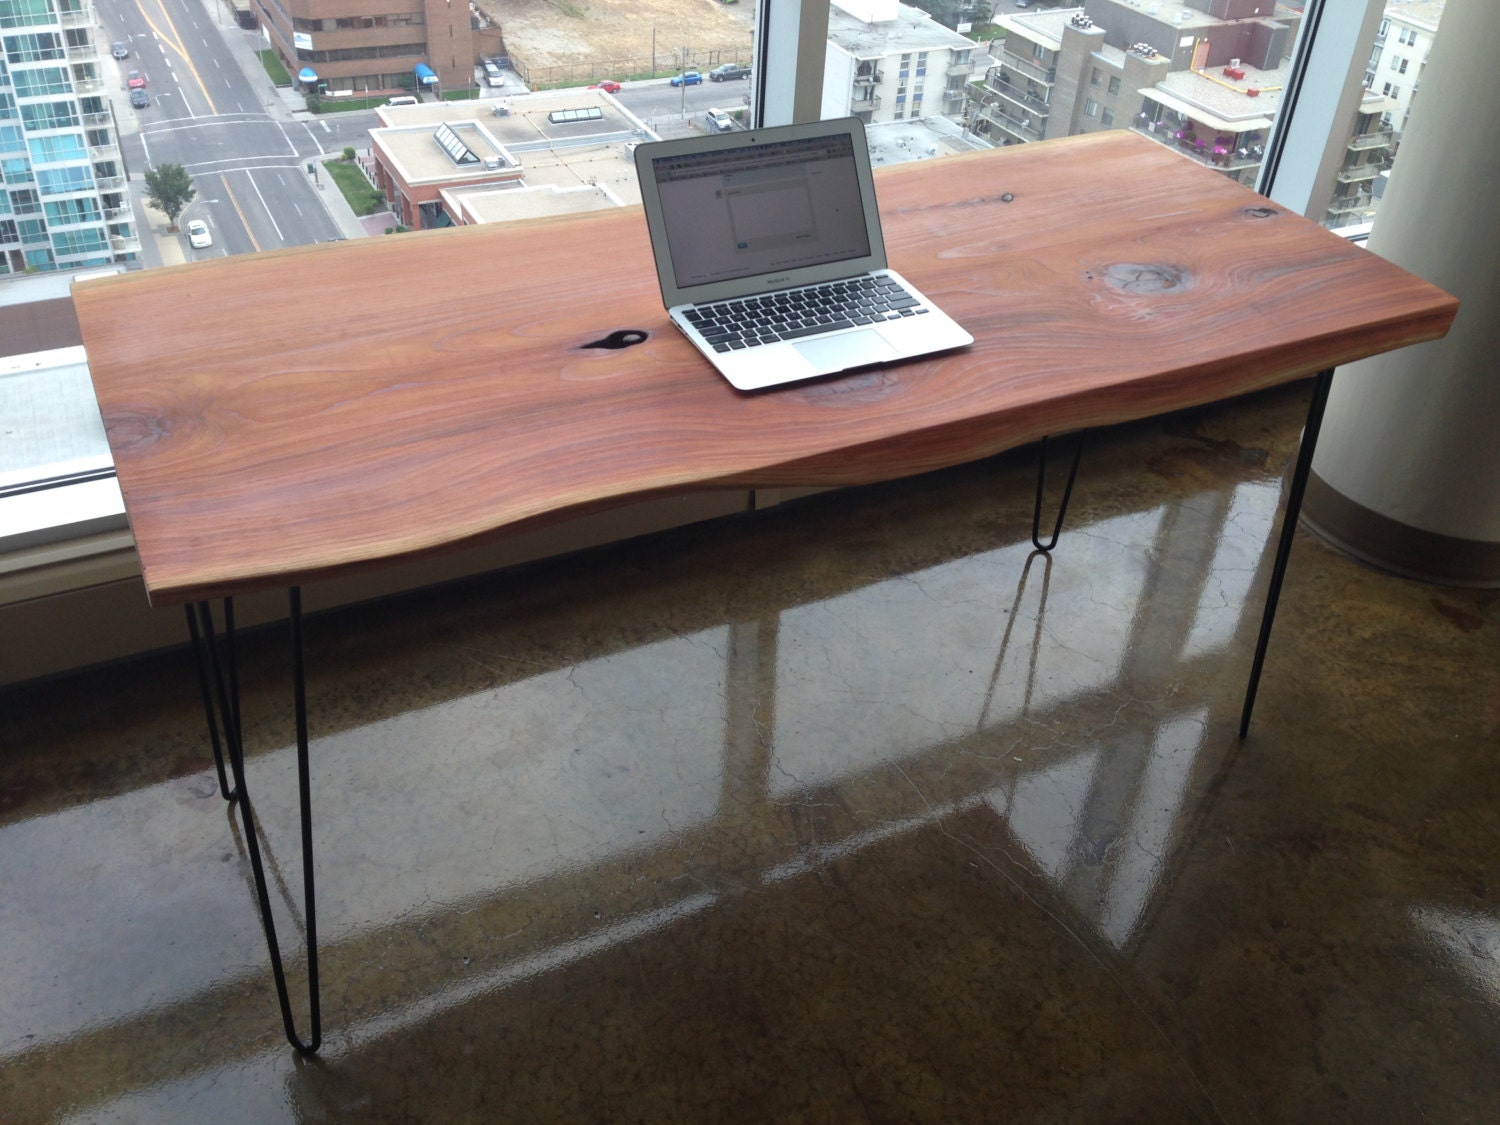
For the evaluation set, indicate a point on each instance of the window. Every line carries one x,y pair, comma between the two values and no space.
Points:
49,115
52,77
1095,78
33,46
1090,107
42,80
19,13
67,212
1402,68
55,150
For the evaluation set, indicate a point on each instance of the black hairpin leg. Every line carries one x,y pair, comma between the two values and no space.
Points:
225,692
1041,480
1298,487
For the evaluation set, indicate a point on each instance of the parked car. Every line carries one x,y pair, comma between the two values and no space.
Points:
140,99
120,50
728,72
718,120
136,80
609,86
687,78
199,237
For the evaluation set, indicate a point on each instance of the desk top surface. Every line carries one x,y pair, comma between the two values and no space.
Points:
282,417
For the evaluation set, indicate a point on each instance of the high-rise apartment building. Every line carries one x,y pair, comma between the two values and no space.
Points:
1400,54
888,61
64,203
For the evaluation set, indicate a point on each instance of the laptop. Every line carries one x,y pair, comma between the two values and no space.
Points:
768,250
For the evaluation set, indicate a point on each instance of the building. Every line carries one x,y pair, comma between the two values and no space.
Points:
1400,54
888,61
375,46
1205,79
454,163
64,203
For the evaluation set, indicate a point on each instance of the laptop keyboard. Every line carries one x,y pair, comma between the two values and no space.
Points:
748,322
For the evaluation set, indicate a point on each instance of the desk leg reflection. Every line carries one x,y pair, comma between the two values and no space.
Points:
219,681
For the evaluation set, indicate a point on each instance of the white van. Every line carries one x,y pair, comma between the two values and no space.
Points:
402,99
493,74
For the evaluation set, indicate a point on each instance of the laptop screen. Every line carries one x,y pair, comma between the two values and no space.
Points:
761,208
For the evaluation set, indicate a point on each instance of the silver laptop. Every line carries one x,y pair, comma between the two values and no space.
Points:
768,248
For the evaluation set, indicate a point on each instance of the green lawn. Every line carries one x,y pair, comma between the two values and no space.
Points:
279,76
364,199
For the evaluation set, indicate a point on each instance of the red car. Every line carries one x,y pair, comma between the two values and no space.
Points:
608,86
136,81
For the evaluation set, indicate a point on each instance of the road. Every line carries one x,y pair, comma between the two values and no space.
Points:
249,166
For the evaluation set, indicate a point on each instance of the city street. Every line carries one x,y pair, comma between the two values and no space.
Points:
253,156
247,161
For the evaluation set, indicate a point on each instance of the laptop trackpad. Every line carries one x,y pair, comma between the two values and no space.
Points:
849,349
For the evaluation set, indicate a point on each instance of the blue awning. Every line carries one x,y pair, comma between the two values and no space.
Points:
424,74
307,74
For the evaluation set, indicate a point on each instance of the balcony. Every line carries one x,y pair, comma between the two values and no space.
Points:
1383,138
1219,158
873,78
958,69
110,183
124,244
1023,98
865,105
1029,68
1349,204
1025,130
1360,173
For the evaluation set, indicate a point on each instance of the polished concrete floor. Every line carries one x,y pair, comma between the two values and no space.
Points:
849,810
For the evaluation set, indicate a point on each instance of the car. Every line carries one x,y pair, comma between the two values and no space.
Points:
199,237
718,120
728,72
136,80
140,99
687,78
609,86
120,50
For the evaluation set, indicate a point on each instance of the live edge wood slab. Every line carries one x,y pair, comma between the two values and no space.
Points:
283,417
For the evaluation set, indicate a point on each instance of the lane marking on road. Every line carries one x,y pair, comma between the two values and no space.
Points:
238,210
263,203
175,42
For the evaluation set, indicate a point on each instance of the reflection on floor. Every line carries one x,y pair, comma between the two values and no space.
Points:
850,810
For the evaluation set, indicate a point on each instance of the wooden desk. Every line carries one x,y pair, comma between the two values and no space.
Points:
284,417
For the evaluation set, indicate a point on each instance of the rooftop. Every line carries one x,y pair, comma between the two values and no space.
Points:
1223,102
520,133
1422,13
911,30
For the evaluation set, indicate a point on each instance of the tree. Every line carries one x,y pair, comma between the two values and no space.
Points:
170,189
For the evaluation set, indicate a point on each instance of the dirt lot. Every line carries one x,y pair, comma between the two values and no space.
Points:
561,40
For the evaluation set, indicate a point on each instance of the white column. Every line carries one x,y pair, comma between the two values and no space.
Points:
1407,472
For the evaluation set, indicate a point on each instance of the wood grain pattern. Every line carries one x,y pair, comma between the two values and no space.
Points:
288,416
